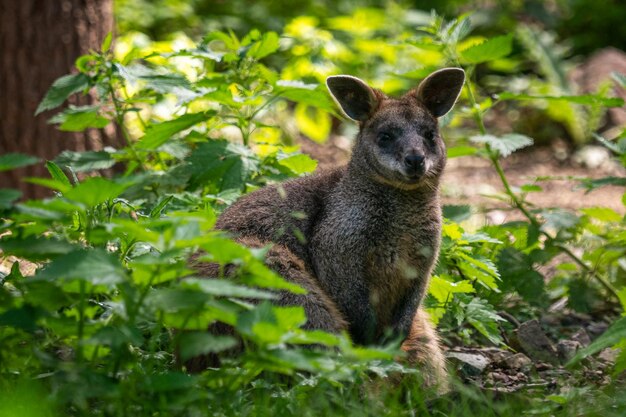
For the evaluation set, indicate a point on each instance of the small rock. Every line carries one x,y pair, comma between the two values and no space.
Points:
501,356
592,156
567,349
542,366
596,328
582,337
608,355
535,343
518,362
470,364
558,305
496,216
500,377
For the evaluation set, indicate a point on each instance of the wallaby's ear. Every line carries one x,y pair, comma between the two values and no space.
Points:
439,91
356,99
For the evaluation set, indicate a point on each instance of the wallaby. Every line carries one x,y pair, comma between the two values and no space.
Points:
362,239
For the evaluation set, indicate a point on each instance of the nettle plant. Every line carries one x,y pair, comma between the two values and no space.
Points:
480,272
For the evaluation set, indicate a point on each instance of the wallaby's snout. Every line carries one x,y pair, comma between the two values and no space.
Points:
415,164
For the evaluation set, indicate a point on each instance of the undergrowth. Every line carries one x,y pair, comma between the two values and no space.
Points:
100,310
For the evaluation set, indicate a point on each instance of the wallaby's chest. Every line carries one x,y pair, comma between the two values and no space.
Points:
398,263
389,249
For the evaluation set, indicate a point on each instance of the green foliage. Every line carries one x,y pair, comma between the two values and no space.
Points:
109,309
15,160
505,145
61,89
489,50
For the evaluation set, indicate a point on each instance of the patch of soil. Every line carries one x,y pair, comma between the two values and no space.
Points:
538,362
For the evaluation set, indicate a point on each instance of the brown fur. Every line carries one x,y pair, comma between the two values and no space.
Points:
362,239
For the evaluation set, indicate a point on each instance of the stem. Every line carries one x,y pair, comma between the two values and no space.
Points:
81,322
519,204
119,119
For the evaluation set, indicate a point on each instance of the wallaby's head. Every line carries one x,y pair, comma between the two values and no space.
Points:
399,142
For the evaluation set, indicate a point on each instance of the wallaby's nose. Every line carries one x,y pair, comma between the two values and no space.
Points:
414,162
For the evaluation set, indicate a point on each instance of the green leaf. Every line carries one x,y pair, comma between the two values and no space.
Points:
505,145
116,336
457,151
35,248
86,161
532,237
531,188
481,269
309,94
45,294
265,46
7,197
224,288
177,299
246,321
16,160
48,183
298,164
95,190
604,214
77,119
24,318
44,210
456,30
588,99
61,89
483,317
518,274
582,297
95,266
194,344
157,134
169,381
159,82
313,122
106,43
559,219
457,213
619,148
57,174
223,164
442,288
489,50
614,335
592,184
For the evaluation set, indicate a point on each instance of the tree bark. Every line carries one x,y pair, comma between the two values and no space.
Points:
39,42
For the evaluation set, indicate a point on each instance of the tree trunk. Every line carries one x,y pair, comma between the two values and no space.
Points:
39,42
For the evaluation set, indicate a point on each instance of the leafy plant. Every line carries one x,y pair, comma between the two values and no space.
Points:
100,309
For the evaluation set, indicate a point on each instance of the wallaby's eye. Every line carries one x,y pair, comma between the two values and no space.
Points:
429,135
385,138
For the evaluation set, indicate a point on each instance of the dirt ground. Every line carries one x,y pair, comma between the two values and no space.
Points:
472,180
